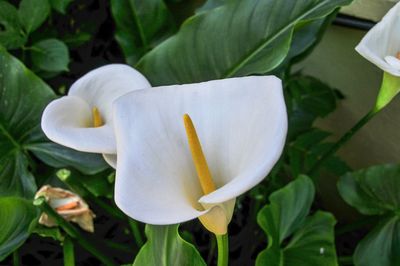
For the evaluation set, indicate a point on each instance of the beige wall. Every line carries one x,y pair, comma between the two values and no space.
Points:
369,9
337,63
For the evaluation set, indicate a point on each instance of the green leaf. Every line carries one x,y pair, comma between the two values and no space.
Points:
11,34
212,45
50,55
304,151
372,191
17,218
59,156
140,25
294,238
32,13
307,99
165,247
376,191
23,97
60,5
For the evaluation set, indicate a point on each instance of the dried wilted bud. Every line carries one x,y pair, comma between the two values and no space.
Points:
68,205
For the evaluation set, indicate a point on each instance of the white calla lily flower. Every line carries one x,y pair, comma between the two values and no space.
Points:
82,120
381,45
241,124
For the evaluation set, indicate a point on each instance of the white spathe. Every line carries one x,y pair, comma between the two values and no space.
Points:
382,43
68,120
241,124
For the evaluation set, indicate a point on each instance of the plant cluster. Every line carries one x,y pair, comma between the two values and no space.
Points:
251,114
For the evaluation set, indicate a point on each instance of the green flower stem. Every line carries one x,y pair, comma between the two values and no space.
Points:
344,139
72,231
16,260
137,235
223,250
68,249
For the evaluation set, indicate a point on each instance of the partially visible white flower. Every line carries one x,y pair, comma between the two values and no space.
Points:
82,120
241,124
381,45
67,204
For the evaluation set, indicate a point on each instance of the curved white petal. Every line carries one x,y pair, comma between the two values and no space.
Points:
383,40
100,87
241,123
111,159
68,121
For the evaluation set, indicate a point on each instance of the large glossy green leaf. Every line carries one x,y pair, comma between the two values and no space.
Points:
165,247
17,219
23,97
376,191
293,238
32,13
140,25
11,33
238,38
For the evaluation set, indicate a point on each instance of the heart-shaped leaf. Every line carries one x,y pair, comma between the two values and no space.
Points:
376,191
311,239
17,219
165,247
50,55
238,38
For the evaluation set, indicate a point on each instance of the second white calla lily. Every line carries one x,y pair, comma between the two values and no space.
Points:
82,120
381,45
241,124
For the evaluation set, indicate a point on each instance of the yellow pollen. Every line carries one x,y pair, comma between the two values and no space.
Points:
398,55
199,160
97,120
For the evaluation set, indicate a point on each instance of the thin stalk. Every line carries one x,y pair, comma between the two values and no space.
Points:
223,250
16,259
344,139
72,231
137,235
68,250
